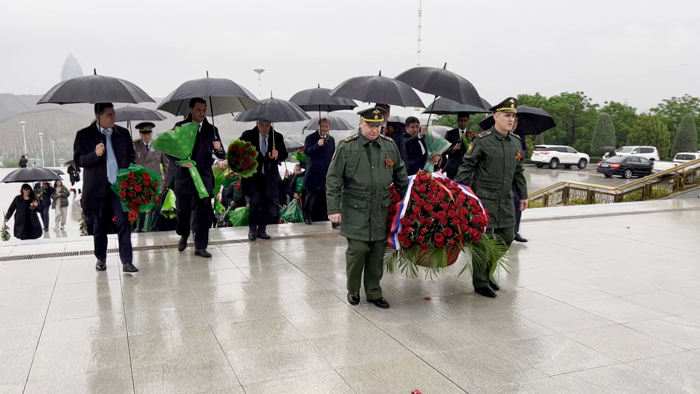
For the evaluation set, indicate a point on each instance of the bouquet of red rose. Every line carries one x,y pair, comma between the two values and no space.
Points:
137,187
242,158
301,157
435,221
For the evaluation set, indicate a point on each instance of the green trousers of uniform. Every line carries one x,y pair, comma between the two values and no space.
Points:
367,256
480,276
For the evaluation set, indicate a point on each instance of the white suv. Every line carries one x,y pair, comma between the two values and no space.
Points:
684,157
647,152
554,155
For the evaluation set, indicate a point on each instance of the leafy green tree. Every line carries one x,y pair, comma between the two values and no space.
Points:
574,114
603,135
624,117
686,137
539,140
446,120
651,131
671,111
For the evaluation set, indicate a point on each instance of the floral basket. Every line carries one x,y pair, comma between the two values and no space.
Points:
137,187
433,223
242,158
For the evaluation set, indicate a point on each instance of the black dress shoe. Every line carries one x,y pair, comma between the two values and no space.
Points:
202,252
518,238
263,235
182,245
309,222
486,292
128,267
380,303
353,298
336,225
251,235
493,285
101,265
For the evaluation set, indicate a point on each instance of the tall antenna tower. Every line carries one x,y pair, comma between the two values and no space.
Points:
259,70
418,51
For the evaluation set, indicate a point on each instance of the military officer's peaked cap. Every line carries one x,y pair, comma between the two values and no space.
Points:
373,116
145,127
508,105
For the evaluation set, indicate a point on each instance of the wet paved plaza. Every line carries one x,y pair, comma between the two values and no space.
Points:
603,299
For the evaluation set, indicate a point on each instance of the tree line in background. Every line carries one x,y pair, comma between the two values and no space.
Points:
672,126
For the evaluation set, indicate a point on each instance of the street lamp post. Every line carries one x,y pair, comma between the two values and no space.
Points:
259,70
53,148
41,140
24,136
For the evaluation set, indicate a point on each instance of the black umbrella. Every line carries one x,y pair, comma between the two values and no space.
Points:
337,123
129,113
445,106
69,162
378,89
93,89
223,95
57,171
318,99
292,146
443,83
273,110
531,121
26,175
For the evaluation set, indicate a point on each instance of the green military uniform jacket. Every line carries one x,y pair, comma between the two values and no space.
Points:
491,167
364,170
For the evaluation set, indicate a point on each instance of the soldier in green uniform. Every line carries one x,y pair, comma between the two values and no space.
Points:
357,192
492,166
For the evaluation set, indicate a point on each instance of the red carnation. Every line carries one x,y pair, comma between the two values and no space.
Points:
402,238
147,183
241,151
146,176
439,237
132,194
137,200
424,248
132,182
124,184
420,239
421,189
122,194
154,184
244,166
406,244
443,222
138,188
428,208
157,200
114,219
149,194
416,209
441,215
451,214
247,144
423,230
130,175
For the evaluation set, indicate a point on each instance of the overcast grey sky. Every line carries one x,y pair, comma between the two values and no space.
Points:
622,50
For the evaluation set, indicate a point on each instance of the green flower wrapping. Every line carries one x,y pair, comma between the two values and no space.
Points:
169,209
179,143
242,158
301,156
137,188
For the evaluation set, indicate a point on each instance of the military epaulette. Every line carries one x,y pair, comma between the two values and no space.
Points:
485,134
386,138
514,135
352,137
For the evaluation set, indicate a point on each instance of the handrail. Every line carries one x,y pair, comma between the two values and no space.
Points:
645,184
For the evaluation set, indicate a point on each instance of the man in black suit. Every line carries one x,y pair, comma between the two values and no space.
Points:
393,130
456,151
261,190
206,152
102,149
416,149
319,148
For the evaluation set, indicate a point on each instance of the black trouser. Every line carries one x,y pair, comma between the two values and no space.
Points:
189,206
262,208
102,218
45,214
311,208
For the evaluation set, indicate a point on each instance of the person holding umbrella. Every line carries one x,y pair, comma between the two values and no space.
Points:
147,157
516,192
319,148
357,191
492,165
206,152
73,173
261,190
27,224
456,151
102,149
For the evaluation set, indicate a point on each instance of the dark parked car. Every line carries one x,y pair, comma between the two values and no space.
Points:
626,166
